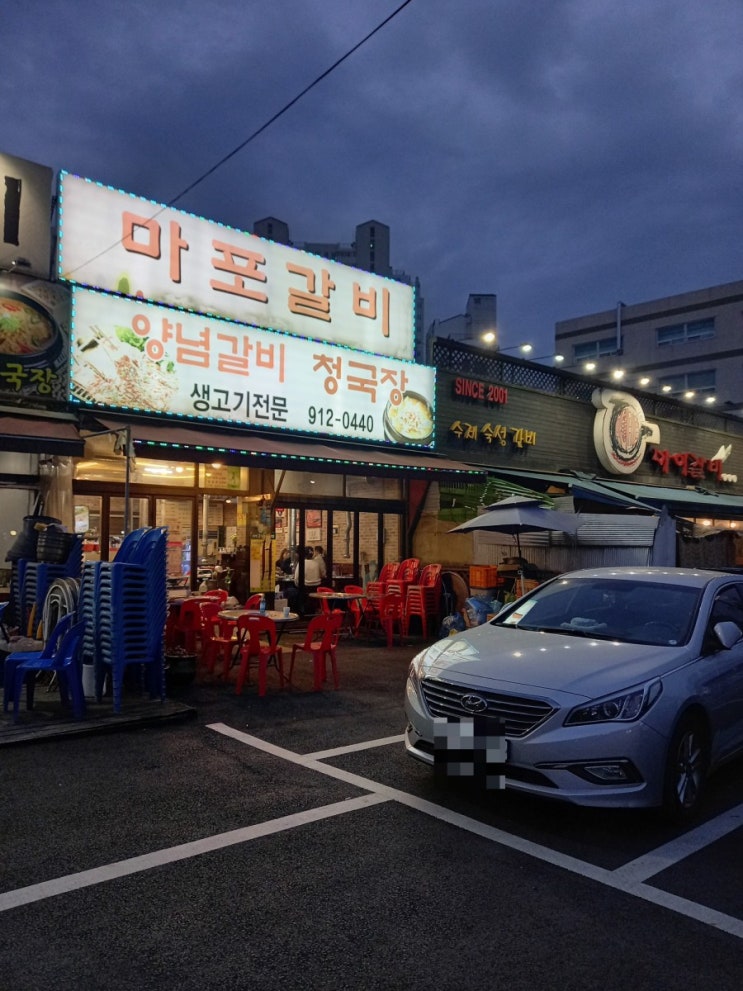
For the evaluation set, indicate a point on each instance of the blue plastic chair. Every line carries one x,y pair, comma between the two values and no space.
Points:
3,627
65,662
21,656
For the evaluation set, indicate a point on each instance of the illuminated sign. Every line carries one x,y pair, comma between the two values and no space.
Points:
620,431
493,433
134,355
690,465
479,391
111,240
34,329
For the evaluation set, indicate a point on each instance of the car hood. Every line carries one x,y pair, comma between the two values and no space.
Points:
503,656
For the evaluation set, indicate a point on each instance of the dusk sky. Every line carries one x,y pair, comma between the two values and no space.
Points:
563,154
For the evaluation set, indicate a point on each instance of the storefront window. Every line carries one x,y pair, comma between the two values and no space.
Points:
142,470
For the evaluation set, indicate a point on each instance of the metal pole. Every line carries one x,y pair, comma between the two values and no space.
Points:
127,478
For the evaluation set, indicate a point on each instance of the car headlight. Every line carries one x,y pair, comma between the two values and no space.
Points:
422,662
621,708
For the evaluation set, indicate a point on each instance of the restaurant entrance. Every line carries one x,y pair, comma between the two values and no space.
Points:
355,540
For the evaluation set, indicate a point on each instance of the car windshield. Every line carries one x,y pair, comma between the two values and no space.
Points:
613,609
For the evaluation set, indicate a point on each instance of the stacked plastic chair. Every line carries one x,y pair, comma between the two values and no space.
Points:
374,592
34,578
407,574
423,599
124,605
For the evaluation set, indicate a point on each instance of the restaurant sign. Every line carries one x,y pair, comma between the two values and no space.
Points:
111,240
133,355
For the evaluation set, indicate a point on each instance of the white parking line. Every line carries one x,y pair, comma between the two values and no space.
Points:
680,848
134,865
629,884
354,747
629,879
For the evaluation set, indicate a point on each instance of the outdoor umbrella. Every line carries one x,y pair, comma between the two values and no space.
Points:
516,515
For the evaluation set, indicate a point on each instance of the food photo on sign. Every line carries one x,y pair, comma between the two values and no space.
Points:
34,333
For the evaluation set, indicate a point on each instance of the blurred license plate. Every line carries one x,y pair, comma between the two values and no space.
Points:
471,747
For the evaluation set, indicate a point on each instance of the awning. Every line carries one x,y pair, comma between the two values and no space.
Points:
195,443
40,435
678,501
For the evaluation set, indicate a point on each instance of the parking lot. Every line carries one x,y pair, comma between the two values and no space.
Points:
290,842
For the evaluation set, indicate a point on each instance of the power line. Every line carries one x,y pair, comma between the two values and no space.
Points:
289,105
260,130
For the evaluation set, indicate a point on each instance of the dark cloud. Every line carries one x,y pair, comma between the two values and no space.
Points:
563,154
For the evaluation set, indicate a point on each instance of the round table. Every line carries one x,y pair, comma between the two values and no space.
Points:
341,597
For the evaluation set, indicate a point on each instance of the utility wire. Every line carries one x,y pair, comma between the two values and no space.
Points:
260,130
289,105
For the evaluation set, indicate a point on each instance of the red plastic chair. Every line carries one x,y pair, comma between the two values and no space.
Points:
254,601
222,643
391,616
320,643
407,574
423,599
357,608
189,625
217,593
262,646
376,589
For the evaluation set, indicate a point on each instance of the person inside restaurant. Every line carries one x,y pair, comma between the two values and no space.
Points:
319,556
312,578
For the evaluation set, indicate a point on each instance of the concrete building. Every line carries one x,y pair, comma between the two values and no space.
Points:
688,346
370,251
473,327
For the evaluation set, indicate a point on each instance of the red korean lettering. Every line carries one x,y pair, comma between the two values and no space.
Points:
395,377
365,305
189,351
271,356
244,266
309,303
332,367
235,355
132,228
662,458
366,382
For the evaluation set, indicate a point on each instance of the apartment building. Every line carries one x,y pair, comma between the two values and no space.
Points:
688,346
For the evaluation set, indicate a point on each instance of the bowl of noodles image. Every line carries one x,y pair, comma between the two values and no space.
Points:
29,335
410,421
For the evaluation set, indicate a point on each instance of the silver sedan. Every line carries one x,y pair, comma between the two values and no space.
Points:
606,687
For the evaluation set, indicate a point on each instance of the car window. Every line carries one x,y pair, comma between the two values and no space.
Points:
617,609
728,606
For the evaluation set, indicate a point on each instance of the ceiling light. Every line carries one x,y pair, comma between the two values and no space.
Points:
590,366
709,400
645,380
488,337
666,388
689,394
617,374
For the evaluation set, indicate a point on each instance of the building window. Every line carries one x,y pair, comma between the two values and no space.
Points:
699,382
589,350
682,333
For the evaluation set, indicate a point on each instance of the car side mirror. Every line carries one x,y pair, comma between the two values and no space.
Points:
728,633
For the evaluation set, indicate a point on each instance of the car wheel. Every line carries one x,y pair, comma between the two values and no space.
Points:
687,764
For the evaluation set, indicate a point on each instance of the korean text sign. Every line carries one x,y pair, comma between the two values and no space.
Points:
111,240
130,354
